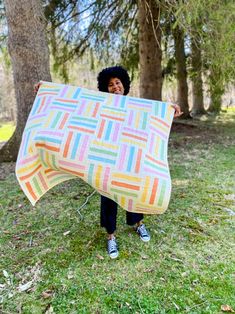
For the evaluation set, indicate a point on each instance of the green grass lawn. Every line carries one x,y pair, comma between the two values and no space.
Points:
187,267
6,131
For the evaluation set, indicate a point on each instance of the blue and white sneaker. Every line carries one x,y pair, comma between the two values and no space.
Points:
112,248
143,233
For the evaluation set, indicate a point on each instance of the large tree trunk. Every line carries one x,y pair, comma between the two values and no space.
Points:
216,91
215,102
29,53
181,72
198,106
150,53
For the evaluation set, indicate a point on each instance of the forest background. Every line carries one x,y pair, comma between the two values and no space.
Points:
181,51
51,260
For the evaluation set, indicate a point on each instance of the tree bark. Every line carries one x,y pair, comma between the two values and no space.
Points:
216,91
181,72
215,102
198,106
150,52
29,53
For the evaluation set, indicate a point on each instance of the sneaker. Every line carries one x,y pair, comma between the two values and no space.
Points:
143,233
112,248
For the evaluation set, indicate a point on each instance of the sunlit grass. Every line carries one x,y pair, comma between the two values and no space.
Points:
6,131
187,267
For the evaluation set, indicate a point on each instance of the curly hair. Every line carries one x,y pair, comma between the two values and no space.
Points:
117,71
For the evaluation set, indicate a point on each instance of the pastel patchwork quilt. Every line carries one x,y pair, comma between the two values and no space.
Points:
117,144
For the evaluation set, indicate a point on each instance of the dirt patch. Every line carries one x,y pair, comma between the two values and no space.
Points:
183,127
6,168
203,132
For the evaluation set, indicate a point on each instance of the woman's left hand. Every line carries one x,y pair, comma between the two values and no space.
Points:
178,111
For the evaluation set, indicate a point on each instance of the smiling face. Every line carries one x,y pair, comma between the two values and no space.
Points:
115,86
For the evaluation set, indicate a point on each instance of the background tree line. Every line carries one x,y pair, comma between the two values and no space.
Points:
184,40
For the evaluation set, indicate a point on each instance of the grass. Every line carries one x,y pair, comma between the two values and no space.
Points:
6,131
187,267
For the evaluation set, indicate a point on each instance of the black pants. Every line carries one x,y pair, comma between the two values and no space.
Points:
108,215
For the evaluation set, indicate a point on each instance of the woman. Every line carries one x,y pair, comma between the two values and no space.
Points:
116,80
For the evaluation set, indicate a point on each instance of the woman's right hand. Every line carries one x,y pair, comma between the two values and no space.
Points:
178,111
36,87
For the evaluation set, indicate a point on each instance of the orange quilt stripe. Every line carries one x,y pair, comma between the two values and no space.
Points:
47,93
156,161
154,191
101,128
52,148
126,185
29,187
95,110
81,129
73,172
42,104
137,166
67,100
162,122
112,117
63,121
31,173
67,144
135,136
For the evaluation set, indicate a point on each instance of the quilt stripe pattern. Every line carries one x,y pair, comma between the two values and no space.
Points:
117,144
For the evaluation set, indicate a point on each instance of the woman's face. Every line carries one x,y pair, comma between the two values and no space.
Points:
115,86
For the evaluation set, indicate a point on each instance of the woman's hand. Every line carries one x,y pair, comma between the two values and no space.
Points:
36,87
178,111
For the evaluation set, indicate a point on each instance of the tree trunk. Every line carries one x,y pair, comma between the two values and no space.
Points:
215,102
216,91
181,72
29,53
198,106
150,53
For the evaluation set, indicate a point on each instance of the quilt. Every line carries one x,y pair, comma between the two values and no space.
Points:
117,144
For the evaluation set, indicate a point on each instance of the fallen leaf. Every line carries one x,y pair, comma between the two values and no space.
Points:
49,310
230,197
25,287
70,275
99,256
175,259
10,295
128,305
184,274
149,270
177,307
89,243
47,294
5,273
226,308
144,256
